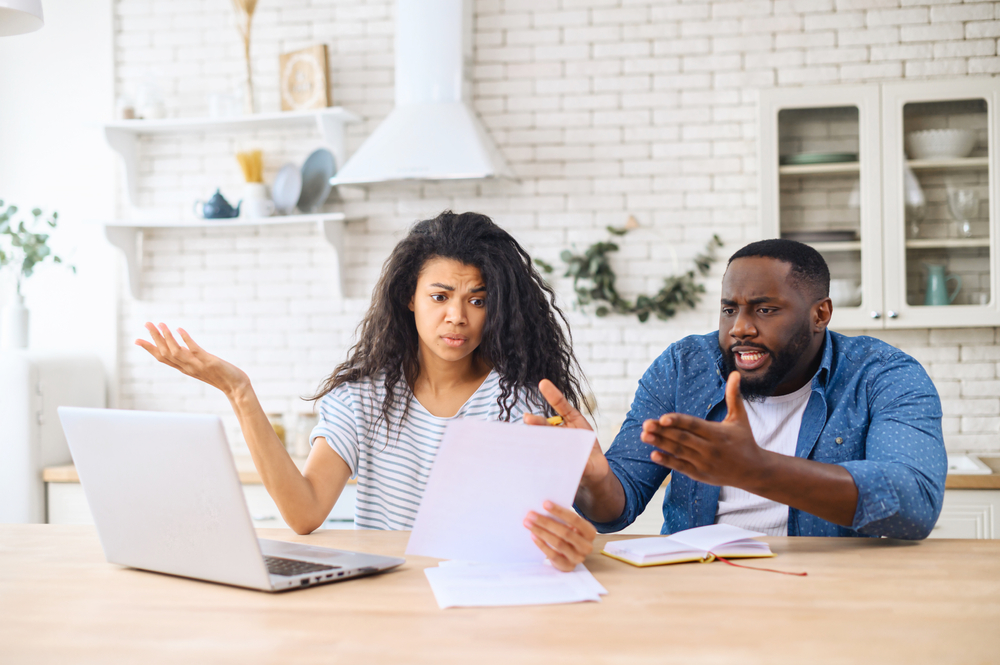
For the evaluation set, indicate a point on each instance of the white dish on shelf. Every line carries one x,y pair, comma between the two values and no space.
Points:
940,143
317,170
286,188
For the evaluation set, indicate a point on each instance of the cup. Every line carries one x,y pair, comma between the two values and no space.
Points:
845,292
256,202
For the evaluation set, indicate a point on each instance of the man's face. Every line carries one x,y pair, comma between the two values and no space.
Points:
767,330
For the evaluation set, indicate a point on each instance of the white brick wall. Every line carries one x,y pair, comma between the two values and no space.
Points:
604,108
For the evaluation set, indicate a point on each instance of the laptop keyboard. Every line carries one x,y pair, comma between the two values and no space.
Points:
290,567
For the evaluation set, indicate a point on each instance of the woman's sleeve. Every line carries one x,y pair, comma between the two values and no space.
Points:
338,424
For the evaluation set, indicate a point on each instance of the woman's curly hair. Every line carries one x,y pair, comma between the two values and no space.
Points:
523,338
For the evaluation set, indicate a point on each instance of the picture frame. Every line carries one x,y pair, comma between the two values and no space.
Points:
303,79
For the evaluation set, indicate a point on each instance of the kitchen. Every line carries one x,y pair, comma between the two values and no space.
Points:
603,110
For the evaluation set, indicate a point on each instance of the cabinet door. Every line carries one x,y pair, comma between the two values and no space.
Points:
940,205
821,184
969,514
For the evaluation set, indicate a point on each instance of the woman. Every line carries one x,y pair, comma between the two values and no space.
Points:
460,325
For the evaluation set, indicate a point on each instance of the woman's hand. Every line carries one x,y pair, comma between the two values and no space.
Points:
564,537
193,360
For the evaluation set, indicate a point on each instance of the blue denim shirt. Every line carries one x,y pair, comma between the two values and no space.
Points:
873,410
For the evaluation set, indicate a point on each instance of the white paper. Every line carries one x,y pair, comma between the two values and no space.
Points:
493,585
485,479
711,536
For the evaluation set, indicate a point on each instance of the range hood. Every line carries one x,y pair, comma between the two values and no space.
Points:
432,133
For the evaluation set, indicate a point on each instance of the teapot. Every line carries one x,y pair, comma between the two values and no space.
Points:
937,286
216,207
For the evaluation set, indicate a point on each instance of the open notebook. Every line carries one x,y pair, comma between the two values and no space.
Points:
703,543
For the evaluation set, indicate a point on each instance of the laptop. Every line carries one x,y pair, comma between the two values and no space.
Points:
165,496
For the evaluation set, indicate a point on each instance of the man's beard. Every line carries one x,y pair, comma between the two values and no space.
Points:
755,389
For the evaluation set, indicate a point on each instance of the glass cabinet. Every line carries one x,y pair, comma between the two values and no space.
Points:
892,184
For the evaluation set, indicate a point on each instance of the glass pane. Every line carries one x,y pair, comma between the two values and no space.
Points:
820,197
946,198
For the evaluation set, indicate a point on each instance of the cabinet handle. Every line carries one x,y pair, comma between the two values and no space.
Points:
892,314
876,315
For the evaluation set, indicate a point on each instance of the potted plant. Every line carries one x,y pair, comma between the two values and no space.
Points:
23,246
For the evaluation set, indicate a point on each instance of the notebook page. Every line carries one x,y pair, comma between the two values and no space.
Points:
707,538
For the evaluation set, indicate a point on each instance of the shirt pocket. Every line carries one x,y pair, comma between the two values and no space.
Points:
840,444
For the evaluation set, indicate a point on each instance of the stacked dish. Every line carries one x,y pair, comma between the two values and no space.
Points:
940,143
305,188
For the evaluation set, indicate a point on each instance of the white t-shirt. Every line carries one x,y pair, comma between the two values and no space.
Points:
392,469
775,423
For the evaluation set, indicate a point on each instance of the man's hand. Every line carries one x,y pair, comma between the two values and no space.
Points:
722,453
597,467
566,539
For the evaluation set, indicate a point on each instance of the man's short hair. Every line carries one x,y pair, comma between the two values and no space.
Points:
809,269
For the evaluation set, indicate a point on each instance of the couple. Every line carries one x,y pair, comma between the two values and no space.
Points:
772,423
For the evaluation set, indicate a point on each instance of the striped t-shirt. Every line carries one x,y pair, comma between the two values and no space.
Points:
392,470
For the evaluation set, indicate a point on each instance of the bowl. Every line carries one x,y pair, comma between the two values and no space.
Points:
938,143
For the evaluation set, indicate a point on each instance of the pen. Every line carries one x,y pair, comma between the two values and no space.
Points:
554,420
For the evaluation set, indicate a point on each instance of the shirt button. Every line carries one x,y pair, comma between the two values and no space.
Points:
839,439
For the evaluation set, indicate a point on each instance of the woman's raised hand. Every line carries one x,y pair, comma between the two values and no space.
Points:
193,360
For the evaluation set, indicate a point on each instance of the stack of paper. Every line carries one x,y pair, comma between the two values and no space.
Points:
698,544
485,479
458,584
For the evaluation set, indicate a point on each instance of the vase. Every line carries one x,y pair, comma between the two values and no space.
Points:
14,324
937,286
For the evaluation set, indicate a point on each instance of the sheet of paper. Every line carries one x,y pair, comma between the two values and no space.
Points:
485,479
713,535
494,585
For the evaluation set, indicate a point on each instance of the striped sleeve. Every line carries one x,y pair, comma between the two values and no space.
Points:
338,424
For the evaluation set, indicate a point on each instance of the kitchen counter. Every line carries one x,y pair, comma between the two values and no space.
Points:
249,475
864,600
66,473
970,481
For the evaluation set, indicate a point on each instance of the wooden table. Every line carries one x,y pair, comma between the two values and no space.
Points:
863,601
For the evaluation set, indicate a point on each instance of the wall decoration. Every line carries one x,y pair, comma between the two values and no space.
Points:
303,79
594,281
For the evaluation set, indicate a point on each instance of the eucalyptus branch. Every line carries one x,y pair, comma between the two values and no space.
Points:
21,244
594,282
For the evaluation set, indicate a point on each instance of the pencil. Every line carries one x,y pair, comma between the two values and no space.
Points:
554,420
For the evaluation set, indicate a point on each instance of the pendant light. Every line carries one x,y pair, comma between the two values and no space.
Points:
20,16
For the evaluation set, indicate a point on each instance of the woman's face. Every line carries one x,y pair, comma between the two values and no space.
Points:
449,308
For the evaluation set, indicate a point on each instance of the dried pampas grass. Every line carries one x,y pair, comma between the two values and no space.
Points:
244,16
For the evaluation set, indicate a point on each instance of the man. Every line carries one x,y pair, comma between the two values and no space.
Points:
774,423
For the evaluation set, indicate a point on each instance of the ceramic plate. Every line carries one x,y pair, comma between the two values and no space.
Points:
286,188
820,236
316,173
820,158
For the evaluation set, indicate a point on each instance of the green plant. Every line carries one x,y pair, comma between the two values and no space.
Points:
21,244
594,282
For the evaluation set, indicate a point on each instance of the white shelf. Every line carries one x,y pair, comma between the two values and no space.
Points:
128,235
843,246
122,135
962,164
948,243
818,169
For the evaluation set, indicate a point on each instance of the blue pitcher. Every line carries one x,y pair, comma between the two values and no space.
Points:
937,288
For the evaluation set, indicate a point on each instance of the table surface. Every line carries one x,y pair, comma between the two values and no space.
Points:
863,601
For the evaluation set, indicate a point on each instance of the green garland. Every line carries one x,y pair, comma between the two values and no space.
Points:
594,282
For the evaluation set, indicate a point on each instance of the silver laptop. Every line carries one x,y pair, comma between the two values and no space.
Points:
165,496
